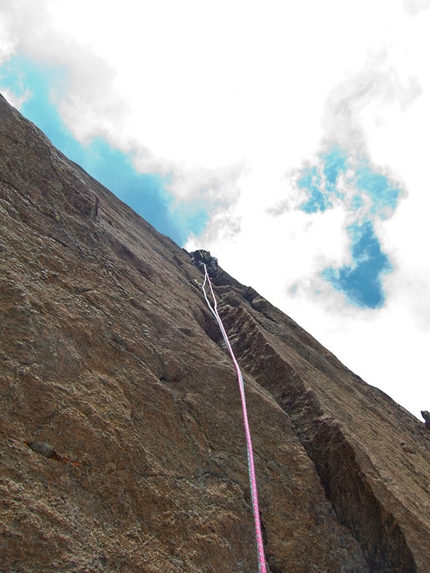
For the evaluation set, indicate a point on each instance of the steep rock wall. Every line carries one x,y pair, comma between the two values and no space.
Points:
122,442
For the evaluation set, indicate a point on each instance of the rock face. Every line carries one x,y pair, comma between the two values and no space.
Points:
122,443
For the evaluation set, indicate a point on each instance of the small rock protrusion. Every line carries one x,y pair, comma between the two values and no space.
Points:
42,448
426,415
96,208
408,448
47,451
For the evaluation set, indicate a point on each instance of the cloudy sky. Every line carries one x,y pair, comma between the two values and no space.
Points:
289,138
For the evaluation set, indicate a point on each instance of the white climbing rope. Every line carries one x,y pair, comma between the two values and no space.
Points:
251,468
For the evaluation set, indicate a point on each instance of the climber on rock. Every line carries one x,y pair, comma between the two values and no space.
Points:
202,259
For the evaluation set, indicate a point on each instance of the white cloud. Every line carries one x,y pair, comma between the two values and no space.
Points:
414,7
6,43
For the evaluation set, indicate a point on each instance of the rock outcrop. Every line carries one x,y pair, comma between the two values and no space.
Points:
122,444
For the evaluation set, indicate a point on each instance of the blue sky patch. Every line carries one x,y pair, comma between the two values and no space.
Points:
320,183
361,281
367,195
384,194
310,181
145,193
334,163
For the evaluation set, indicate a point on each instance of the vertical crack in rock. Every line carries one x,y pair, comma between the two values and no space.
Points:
382,541
347,488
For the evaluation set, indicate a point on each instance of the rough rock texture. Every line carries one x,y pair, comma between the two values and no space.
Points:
122,445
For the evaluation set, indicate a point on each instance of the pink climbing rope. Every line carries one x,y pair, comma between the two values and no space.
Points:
251,468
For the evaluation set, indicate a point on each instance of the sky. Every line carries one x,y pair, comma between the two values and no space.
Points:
291,139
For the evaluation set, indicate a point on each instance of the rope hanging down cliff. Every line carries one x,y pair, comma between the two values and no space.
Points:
251,469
